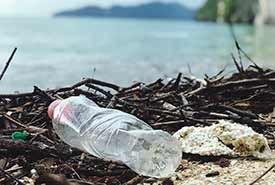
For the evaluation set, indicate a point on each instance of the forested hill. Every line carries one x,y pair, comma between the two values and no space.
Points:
150,10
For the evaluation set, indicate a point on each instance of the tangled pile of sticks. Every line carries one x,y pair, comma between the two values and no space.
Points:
246,97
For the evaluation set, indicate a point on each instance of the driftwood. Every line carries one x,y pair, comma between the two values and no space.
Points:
246,97
7,64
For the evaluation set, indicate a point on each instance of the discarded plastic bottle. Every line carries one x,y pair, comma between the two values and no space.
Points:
115,135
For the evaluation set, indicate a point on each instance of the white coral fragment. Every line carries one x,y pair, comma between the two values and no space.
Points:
224,138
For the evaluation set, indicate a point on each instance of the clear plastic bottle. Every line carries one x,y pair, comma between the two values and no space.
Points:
115,135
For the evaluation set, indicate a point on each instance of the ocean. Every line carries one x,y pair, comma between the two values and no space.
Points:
55,52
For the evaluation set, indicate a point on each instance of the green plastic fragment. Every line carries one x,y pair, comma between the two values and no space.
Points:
19,136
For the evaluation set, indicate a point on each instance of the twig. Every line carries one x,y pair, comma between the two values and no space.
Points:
64,89
7,64
268,170
177,82
42,93
135,180
106,93
87,81
232,109
16,95
169,123
240,68
18,123
81,182
10,176
230,84
240,50
237,46
71,168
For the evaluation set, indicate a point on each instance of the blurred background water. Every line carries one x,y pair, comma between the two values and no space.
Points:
54,52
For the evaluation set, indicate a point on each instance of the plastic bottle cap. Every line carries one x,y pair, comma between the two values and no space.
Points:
51,108
19,136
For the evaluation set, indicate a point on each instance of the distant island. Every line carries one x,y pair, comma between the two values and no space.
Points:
153,10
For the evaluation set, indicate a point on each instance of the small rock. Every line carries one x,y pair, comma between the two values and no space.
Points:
213,174
223,162
167,182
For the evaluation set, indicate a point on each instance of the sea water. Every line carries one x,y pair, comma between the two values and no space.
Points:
54,52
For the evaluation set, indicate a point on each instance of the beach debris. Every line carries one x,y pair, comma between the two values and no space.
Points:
19,136
224,138
212,174
115,135
224,162
245,97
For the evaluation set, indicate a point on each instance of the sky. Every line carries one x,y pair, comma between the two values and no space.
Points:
13,8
